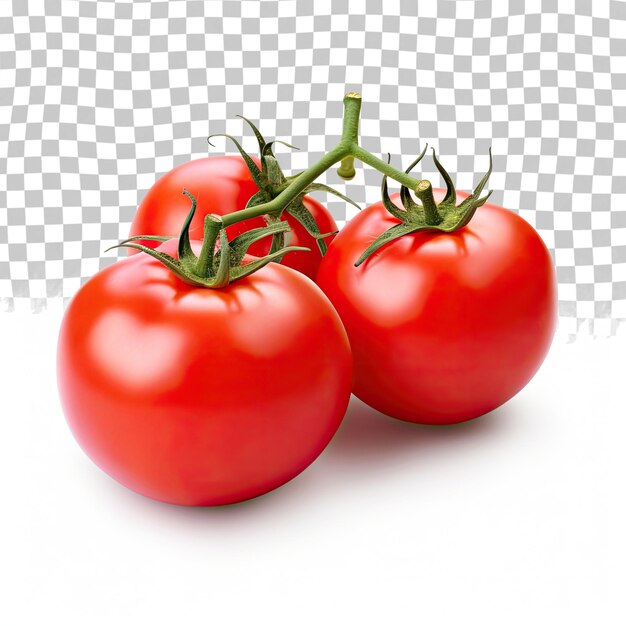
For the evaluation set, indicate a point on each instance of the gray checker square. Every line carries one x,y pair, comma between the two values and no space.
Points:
98,99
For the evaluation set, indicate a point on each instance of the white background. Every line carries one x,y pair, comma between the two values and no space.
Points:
514,518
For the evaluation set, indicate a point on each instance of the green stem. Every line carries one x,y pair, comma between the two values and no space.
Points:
351,114
291,192
385,168
424,191
212,227
345,151
346,169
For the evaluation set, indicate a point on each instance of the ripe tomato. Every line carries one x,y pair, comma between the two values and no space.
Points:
202,396
444,327
223,185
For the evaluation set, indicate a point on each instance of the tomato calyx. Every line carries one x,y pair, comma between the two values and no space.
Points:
445,217
215,266
271,181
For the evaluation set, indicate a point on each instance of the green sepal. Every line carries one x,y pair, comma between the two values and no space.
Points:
239,245
278,240
450,190
275,176
257,133
252,166
456,216
481,185
184,244
215,269
249,268
267,149
299,212
143,238
387,202
395,232
324,235
224,272
271,181
169,261
258,198
405,196
321,187
450,217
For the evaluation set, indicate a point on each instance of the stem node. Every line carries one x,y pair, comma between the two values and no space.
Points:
424,191
346,169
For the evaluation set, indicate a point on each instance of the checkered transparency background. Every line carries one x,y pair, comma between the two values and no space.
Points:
99,98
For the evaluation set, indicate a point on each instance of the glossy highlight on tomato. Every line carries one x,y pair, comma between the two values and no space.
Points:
223,185
444,327
202,396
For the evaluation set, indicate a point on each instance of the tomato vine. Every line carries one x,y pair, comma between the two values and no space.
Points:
278,194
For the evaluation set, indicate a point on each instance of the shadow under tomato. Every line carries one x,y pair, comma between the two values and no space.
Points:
366,444
367,437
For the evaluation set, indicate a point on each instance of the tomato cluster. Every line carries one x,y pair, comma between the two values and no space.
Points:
201,396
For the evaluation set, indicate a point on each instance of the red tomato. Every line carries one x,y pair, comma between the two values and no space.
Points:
223,185
202,396
443,327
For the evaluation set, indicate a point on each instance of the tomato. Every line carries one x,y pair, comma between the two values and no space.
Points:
202,396
223,185
444,327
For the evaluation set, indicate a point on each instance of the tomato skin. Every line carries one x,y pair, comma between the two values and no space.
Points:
196,396
222,185
443,327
